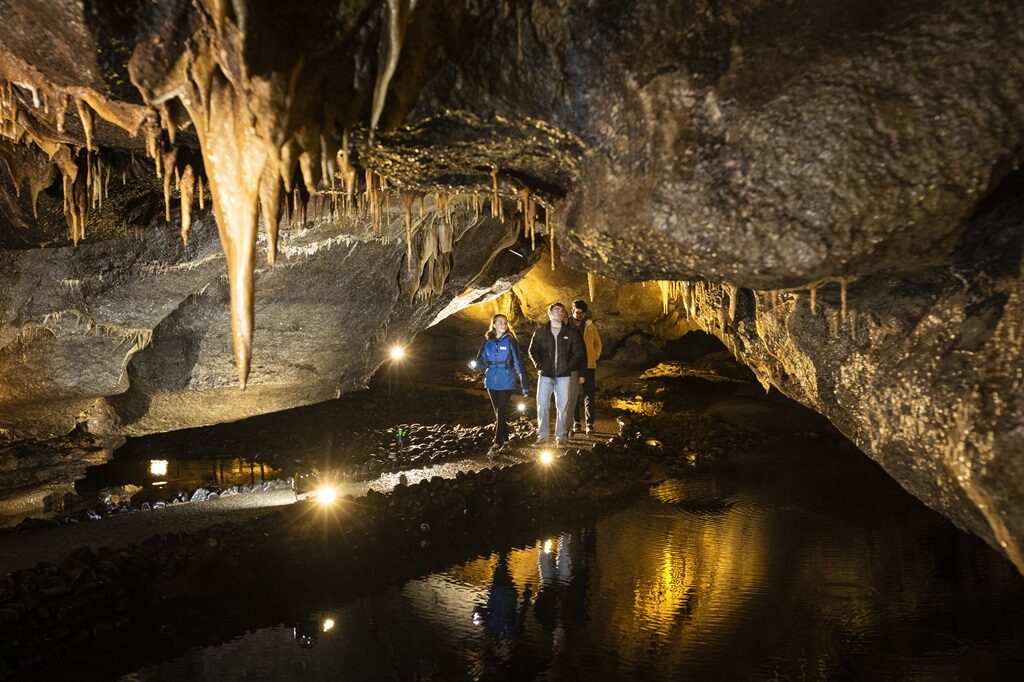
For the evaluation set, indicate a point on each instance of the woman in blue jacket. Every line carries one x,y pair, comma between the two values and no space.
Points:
499,356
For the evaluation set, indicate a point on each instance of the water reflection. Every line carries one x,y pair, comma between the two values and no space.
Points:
160,478
725,574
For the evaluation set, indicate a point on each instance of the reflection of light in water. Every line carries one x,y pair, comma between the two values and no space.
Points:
691,581
328,624
159,483
548,546
158,467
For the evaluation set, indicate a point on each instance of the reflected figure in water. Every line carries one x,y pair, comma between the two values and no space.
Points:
564,566
503,617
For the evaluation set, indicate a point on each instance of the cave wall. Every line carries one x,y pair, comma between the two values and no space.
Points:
923,372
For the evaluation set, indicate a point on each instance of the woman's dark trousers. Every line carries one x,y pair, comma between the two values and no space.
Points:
499,401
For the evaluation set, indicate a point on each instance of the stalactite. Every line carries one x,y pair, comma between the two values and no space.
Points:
187,191
733,293
497,210
85,114
551,236
408,199
774,295
529,222
168,160
60,110
814,300
665,287
592,285
397,17
270,206
202,194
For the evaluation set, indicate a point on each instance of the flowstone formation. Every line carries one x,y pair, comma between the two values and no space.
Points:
848,151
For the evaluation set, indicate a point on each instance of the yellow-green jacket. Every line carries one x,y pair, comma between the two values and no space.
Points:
592,340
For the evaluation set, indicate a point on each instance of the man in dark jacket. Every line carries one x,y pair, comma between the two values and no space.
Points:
556,349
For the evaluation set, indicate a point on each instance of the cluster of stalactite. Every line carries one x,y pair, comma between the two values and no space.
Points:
255,157
685,297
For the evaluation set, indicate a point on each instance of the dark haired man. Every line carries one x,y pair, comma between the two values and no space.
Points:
556,349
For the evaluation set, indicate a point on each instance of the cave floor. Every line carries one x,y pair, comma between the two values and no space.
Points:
433,393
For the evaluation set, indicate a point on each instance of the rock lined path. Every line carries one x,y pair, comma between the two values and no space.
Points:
22,550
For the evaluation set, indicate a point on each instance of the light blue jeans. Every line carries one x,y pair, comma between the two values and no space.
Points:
545,387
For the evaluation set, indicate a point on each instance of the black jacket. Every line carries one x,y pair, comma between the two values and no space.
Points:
557,360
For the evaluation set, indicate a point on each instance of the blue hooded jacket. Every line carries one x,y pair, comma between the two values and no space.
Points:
502,363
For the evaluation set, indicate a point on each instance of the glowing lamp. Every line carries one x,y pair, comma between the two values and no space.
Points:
548,546
521,406
472,364
397,352
547,457
326,495
328,624
158,467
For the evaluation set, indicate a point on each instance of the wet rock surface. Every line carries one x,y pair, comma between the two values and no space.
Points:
922,372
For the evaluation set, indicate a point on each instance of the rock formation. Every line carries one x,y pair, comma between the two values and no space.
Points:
866,152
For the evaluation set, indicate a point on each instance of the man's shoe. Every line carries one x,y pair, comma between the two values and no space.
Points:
494,451
589,430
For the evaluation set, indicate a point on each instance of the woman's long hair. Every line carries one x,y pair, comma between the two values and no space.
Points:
491,334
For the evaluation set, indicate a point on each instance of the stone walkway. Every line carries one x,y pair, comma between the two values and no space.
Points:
25,550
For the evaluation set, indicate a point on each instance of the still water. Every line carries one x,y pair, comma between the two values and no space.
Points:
802,563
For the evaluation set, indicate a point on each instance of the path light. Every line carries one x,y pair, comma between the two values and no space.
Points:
328,624
158,467
521,406
472,364
547,457
397,352
326,494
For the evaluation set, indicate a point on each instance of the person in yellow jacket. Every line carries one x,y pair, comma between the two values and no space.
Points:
587,370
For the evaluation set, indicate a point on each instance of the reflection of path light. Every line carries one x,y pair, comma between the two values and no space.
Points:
548,546
328,624
158,467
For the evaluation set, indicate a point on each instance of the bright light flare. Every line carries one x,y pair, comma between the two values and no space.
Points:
472,364
326,495
328,624
548,546
397,352
521,406
158,467
547,457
